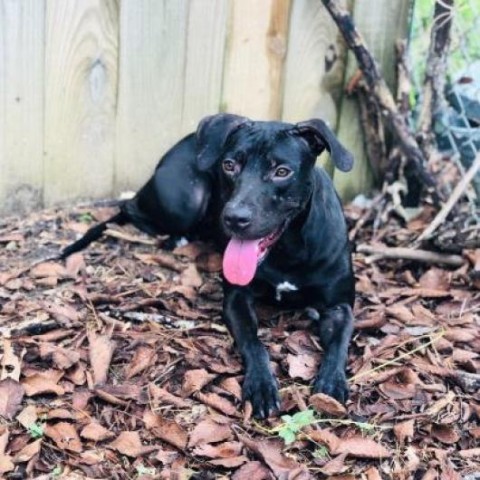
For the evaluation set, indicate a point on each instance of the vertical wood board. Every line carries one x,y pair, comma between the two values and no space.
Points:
256,48
81,80
152,78
21,104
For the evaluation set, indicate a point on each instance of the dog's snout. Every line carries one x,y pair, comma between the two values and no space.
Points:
237,219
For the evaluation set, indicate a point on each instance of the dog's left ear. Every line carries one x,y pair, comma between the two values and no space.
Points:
317,134
212,133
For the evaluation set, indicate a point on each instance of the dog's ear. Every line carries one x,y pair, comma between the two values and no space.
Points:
319,136
212,133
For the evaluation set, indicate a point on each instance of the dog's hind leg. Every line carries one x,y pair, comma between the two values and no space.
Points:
259,384
335,328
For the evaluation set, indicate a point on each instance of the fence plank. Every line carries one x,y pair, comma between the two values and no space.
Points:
255,56
207,28
81,80
381,27
21,103
150,102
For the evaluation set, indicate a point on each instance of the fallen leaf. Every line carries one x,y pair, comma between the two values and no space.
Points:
252,471
400,386
48,269
101,349
362,447
302,366
143,358
28,452
74,264
282,466
323,437
28,416
195,380
11,396
96,432
470,453
445,433
190,277
209,431
129,443
219,403
229,462
404,431
161,396
373,474
222,450
65,436
165,429
435,279
61,358
336,465
6,463
43,382
326,404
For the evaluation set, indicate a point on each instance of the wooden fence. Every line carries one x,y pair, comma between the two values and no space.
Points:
92,92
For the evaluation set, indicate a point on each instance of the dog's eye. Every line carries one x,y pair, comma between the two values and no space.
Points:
282,172
228,166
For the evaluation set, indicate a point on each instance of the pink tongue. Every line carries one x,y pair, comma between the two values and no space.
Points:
240,261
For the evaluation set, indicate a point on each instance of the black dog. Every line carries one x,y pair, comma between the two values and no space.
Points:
253,187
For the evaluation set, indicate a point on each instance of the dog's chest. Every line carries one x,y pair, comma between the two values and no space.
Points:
284,287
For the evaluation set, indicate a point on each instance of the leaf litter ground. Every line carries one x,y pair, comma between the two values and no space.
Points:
116,364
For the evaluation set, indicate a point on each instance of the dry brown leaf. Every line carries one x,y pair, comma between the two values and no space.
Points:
222,450
165,429
404,430
323,437
43,382
303,366
282,466
219,403
65,436
10,367
326,404
61,358
11,396
209,431
435,279
195,380
161,396
252,471
143,358
96,432
129,443
229,462
336,465
445,433
101,348
60,414
400,312
361,447
65,314
470,453
231,385
74,264
6,464
400,386
373,474
190,277
48,269
28,451
28,416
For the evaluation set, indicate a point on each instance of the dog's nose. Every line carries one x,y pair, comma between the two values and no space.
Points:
238,218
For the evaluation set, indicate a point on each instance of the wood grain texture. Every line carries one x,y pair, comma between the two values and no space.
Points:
207,30
150,96
21,104
80,98
380,27
256,49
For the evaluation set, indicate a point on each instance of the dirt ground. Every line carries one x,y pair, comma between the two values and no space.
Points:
116,364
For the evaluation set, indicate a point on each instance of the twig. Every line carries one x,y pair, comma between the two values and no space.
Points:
379,90
458,191
129,238
411,254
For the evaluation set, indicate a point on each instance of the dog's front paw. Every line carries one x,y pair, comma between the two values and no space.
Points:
260,389
332,383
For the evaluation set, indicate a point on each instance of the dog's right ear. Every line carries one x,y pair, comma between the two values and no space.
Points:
212,133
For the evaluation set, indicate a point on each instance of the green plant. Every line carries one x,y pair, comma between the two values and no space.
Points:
141,469
85,217
293,424
36,430
57,472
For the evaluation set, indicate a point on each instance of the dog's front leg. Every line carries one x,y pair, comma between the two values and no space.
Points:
259,385
334,329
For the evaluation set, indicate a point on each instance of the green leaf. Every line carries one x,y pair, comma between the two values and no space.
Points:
36,430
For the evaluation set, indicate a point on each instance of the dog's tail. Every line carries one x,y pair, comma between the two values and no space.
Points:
93,234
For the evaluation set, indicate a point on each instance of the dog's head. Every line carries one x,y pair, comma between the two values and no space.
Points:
266,172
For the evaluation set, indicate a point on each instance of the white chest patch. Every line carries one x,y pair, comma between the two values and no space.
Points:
284,287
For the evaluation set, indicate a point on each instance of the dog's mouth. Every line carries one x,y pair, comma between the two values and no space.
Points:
242,257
